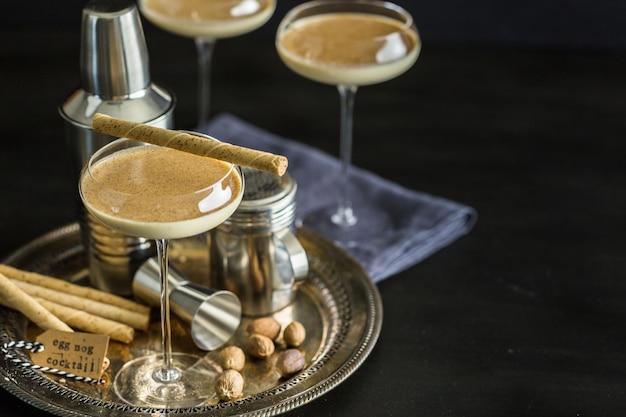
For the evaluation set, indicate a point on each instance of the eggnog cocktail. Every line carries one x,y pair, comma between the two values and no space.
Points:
206,21
160,193
348,48
348,43
208,18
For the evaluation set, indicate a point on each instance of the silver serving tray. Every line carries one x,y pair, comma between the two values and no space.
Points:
338,304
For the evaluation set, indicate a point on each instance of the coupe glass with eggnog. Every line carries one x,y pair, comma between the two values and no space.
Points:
161,193
348,44
206,21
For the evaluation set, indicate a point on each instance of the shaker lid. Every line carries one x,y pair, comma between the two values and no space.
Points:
268,203
113,52
114,69
263,189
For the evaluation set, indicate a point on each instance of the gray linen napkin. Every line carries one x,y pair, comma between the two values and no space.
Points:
422,223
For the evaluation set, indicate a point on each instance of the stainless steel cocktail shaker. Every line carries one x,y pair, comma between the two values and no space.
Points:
255,253
115,80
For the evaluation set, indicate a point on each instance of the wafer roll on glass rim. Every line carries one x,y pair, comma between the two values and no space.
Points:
188,142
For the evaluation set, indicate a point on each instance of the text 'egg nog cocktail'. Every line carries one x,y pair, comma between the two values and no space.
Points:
348,43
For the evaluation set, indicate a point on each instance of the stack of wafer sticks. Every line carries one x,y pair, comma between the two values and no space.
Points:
53,303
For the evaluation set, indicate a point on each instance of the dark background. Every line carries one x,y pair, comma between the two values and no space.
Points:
517,108
536,23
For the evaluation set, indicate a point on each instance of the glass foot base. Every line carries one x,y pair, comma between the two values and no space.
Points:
347,228
136,383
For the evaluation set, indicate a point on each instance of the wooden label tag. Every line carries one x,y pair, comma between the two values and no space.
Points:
77,353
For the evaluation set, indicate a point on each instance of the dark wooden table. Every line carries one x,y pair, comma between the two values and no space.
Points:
524,316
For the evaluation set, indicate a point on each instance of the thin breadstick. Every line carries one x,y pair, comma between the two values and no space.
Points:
195,144
13,297
69,288
107,311
90,323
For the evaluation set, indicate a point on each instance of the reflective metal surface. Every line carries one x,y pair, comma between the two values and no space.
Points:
255,253
337,303
114,80
211,316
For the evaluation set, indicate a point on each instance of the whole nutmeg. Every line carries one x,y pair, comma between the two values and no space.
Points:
289,362
267,326
229,385
294,334
232,357
260,346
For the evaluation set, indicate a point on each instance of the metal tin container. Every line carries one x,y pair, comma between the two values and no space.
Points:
255,253
114,80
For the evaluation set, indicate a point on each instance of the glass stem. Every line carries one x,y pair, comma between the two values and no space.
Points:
205,48
167,372
344,216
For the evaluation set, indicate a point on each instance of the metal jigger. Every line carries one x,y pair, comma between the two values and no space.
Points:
212,316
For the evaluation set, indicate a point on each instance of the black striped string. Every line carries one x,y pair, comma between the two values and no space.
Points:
35,347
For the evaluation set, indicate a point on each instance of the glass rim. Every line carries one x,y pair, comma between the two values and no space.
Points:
408,23
136,143
148,13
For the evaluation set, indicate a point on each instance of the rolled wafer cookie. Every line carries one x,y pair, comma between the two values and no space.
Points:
74,289
107,311
13,297
198,145
90,323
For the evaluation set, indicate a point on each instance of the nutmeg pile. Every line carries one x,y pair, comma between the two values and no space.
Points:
261,344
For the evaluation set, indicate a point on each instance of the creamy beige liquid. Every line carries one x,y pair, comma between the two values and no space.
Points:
155,192
208,18
348,48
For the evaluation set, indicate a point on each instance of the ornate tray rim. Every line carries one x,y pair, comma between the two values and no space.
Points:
283,398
